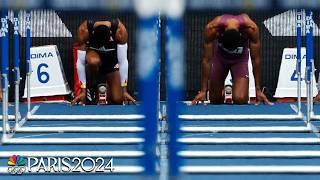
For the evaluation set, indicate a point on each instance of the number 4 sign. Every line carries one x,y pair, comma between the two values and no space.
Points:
47,77
287,80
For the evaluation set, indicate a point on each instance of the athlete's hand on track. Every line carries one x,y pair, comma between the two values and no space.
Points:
317,98
201,96
128,98
80,99
261,97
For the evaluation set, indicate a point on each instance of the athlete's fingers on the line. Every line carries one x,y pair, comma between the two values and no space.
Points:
75,100
130,98
194,102
268,102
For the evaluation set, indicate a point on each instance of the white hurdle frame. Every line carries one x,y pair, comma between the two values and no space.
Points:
119,154
79,141
249,140
110,117
117,170
249,169
249,154
241,117
250,129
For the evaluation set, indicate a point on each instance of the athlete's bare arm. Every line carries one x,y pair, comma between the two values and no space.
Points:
254,45
83,35
210,34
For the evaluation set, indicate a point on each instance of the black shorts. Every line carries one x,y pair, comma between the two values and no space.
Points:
109,62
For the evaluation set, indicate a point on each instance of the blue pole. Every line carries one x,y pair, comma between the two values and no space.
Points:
148,57
16,62
5,47
28,64
4,71
16,58
298,70
175,84
28,40
148,66
309,46
309,63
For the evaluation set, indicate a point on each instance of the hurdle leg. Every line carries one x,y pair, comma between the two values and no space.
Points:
16,67
28,64
175,82
4,69
309,62
298,65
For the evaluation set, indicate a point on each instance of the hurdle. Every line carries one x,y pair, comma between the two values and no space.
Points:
175,57
310,56
4,70
78,129
251,129
250,169
6,15
118,170
148,72
78,141
119,154
16,70
28,63
298,65
249,154
309,63
110,117
306,127
249,140
149,113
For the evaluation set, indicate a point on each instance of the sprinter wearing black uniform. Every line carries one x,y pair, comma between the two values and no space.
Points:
103,45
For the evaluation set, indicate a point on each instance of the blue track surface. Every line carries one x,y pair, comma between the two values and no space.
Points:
58,109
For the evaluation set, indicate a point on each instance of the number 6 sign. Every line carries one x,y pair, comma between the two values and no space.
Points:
47,77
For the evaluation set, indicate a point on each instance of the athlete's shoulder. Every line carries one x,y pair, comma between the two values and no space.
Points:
214,23
247,19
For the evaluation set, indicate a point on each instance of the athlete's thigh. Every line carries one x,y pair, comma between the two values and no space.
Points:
240,78
219,72
114,82
92,57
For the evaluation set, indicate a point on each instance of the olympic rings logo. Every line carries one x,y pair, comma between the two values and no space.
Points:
16,170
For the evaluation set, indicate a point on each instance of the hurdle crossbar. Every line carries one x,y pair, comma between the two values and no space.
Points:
87,117
122,154
73,141
117,170
249,154
315,117
78,129
252,129
10,117
249,140
250,169
239,117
